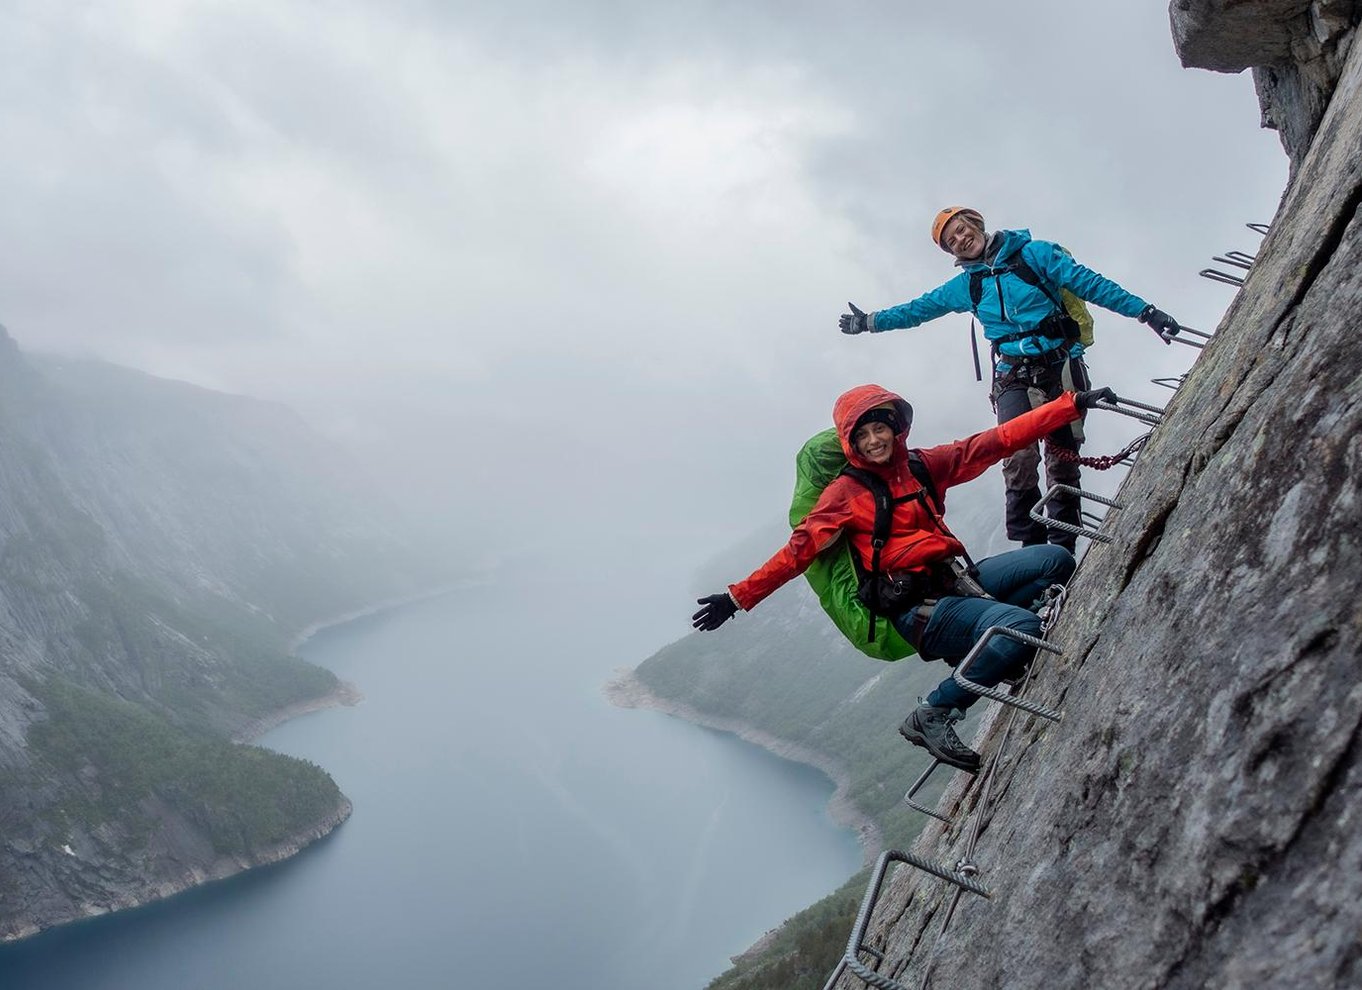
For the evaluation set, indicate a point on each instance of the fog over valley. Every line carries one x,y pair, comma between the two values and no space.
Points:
561,273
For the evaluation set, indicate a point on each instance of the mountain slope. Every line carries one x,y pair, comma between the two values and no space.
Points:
160,545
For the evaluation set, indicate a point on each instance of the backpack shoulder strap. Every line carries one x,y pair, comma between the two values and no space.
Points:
884,513
1027,274
884,506
924,478
976,288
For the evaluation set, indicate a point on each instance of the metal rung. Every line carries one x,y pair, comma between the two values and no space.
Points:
1091,517
1219,276
994,693
1236,258
1258,228
1192,343
917,786
855,944
1038,512
1152,419
1176,383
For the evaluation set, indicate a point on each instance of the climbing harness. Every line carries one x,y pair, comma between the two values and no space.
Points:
892,594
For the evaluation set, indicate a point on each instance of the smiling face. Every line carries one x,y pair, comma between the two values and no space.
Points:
963,239
874,442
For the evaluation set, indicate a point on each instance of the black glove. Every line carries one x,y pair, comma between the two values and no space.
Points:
1161,323
1086,400
717,610
854,322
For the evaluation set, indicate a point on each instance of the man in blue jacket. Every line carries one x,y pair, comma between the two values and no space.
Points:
1012,284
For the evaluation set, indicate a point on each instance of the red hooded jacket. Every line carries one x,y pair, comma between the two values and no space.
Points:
915,539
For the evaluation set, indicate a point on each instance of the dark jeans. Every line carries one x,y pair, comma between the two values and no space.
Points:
1013,396
1016,579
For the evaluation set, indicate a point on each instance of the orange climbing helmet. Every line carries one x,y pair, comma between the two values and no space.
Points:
949,214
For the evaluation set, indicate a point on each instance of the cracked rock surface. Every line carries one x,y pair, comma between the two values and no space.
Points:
1195,820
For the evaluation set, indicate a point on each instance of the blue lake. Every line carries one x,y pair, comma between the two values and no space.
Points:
511,828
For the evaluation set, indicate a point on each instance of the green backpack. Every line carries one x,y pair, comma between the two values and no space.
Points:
835,573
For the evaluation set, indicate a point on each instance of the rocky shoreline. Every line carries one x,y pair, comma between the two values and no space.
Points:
222,868
625,690
344,695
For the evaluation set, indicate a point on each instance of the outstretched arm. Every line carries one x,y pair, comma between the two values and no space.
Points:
1087,284
1060,269
964,460
952,297
819,529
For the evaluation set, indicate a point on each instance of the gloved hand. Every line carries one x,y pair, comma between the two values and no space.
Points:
857,321
717,610
1086,400
1161,323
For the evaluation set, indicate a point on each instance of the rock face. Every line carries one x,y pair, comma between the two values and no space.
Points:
1296,48
1193,821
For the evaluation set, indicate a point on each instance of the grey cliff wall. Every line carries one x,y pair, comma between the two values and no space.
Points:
1194,819
1296,48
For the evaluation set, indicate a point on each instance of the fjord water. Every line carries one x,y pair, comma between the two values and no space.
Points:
511,828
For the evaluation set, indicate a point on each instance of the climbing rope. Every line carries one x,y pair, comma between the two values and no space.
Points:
1097,463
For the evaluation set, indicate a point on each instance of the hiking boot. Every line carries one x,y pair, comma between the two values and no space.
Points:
932,728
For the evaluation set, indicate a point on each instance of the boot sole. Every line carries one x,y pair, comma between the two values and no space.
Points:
918,739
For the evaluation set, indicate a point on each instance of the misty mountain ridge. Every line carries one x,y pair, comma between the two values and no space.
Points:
161,545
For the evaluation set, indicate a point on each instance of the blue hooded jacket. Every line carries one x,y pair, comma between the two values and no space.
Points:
1008,304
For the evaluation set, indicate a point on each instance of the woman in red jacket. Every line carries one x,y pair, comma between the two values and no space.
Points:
947,614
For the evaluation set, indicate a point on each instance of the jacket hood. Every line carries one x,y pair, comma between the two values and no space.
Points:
854,404
1008,243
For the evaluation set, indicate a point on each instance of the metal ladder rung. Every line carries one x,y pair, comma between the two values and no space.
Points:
921,782
1237,259
1153,415
856,944
1218,276
1038,513
994,694
1180,339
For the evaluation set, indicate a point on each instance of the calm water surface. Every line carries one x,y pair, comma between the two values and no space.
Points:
510,829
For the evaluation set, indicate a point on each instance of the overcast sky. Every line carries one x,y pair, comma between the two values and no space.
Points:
575,269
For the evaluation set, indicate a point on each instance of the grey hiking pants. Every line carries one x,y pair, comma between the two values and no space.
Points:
1020,391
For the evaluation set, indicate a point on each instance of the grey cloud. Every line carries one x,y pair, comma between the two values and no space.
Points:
624,229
